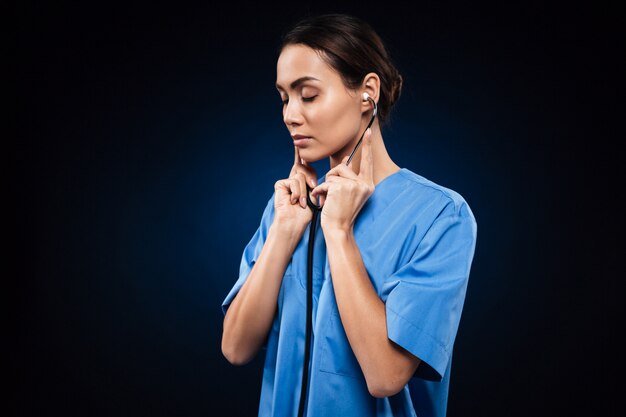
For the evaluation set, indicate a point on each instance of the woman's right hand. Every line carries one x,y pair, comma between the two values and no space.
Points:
291,211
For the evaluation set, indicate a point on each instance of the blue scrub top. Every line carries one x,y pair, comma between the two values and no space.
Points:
417,241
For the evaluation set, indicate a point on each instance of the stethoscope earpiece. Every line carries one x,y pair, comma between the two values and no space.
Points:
366,97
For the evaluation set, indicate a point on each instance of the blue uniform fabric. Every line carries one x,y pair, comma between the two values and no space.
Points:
417,241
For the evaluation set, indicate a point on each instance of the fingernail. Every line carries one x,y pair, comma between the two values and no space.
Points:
303,201
314,182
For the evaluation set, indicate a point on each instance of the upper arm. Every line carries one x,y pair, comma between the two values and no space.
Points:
404,366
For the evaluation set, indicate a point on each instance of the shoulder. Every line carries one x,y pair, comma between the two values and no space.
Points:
441,200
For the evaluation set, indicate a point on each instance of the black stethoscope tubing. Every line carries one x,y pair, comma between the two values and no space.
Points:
316,209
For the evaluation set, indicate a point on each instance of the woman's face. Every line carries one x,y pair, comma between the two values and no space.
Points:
322,109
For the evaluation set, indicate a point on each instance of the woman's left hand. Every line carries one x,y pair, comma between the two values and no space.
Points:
343,193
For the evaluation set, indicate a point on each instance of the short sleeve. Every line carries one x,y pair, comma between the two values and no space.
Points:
251,252
424,298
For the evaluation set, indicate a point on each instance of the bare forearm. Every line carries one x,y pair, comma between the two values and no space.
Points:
362,311
251,313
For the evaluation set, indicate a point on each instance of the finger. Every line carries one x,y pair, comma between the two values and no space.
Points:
300,165
294,187
282,187
342,170
366,169
336,178
322,200
301,178
311,173
296,158
320,189
294,167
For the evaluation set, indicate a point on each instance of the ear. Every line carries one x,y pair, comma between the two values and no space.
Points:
371,86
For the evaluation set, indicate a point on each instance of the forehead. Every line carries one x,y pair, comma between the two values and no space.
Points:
296,61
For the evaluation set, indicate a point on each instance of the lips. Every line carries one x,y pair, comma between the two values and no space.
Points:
295,137
300,141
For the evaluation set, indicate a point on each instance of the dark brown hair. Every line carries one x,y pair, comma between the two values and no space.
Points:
352,48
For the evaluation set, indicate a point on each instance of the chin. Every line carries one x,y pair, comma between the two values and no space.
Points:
312,156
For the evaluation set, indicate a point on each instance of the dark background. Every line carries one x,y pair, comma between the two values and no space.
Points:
147,141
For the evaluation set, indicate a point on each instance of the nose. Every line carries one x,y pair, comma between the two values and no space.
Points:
291,113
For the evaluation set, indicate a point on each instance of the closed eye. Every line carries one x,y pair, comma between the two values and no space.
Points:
306,99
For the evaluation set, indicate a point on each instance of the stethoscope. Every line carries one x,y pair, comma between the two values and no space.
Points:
309,283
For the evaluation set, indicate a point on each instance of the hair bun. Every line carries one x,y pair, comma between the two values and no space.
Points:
396,88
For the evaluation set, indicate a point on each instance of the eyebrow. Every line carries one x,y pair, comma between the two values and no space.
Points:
299,81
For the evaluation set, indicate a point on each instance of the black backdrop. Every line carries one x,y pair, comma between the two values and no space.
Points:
147,141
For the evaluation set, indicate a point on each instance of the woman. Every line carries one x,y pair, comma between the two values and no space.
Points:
391,258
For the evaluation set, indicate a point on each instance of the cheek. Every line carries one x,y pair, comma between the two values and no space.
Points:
335,122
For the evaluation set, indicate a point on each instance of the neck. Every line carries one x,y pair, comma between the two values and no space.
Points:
383,165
